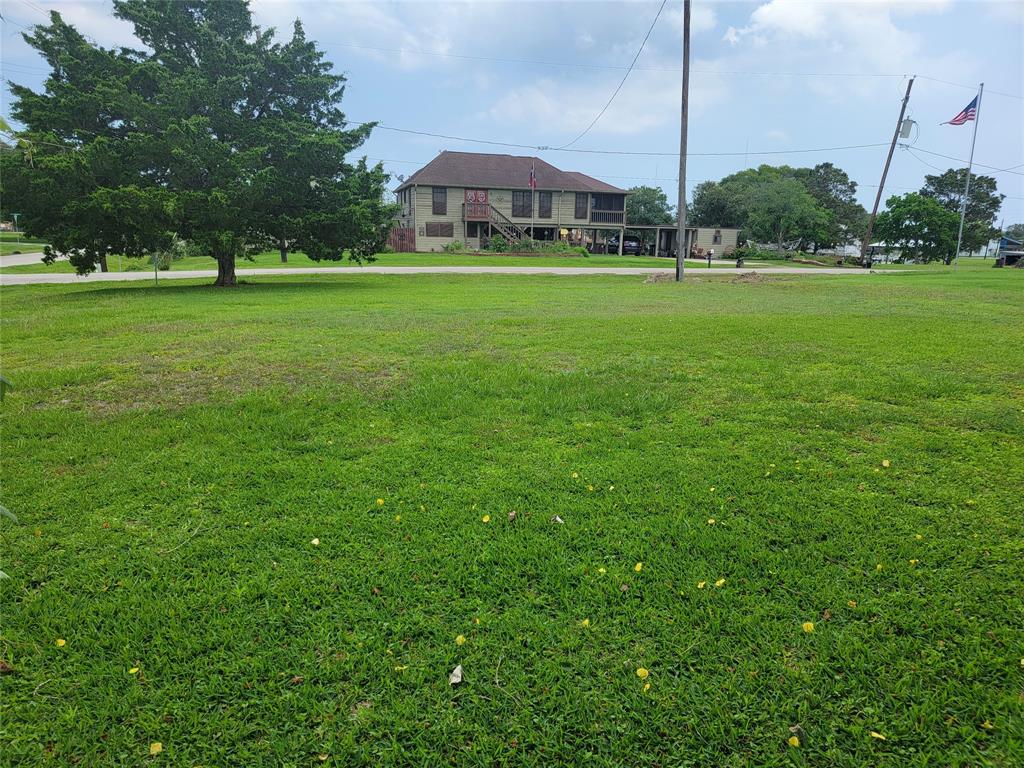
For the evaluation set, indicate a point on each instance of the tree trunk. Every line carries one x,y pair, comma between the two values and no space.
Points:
103,264
283,246
226,272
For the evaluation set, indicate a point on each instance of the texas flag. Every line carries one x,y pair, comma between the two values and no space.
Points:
533,176
970,112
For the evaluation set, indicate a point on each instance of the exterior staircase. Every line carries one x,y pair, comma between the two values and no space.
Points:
504,225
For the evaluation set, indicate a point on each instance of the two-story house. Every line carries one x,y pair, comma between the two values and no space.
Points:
470,196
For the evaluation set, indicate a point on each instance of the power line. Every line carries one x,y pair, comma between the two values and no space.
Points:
623,81
982,165
544,148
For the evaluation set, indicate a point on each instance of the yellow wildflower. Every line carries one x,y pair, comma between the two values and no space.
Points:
808,626
885,463
156,748
602,569
700,584
642,673
711,521
638,567
460,639
720,582
133,671
585,623
486,518
380,502
315,542
61,642
794,741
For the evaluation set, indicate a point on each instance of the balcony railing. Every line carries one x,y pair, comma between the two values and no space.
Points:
607,217
476,211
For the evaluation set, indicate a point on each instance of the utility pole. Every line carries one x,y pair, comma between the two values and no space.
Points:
967,187
866,244
682,246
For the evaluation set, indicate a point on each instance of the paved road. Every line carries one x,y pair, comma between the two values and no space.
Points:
95,277
17,259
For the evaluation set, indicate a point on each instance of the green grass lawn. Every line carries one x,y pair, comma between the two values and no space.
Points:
773,451
13,242
272,259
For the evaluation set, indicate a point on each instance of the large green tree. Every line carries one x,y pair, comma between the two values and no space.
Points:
213,132
919,226
782,211
716,205
982,206
650,206
1015,231
834,192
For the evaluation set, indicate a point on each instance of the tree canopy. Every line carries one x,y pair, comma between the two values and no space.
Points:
919,226
825,211
982,206
213,132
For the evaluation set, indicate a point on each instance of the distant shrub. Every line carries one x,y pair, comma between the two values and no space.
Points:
498,244
455,246
752,252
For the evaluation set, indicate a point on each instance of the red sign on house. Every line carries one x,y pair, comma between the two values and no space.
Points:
477,206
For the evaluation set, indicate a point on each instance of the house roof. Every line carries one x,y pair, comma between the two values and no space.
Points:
486,171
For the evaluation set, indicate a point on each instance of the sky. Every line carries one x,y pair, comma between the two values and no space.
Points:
766,77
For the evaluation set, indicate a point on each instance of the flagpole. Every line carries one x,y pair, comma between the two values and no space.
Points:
967,186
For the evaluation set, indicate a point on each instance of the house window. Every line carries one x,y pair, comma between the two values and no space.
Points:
608,202
440,229
581,205
522,204
440,198
544,205
716,239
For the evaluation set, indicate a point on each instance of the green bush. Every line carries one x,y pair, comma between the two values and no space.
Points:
455,246
753,253
498,244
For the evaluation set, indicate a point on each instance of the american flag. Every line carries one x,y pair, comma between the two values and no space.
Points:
968,113
533,176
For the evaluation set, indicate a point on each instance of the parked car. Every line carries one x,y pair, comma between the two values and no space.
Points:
630,245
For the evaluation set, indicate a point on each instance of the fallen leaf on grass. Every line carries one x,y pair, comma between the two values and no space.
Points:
296,679
323,758
623,587
720,582
512,516
557,519
315,542
987,725
5,668
877,735
133,671
852,603
456,676
711,521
